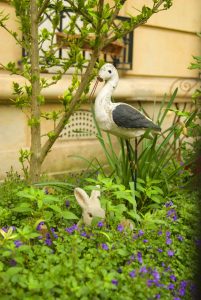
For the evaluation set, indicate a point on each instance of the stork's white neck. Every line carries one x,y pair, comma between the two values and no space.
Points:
103,103
106,92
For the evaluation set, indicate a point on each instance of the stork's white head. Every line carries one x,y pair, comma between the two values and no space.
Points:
107,72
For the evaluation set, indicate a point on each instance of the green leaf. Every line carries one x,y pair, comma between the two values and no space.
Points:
14,270
23,207
69,215
134,215
122,252
105,234
156,199
55,208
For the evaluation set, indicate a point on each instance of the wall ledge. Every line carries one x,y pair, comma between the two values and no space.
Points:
130,88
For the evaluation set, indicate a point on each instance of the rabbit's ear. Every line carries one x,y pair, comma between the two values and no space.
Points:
81,197
95,194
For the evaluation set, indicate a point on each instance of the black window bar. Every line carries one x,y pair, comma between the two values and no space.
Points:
123,61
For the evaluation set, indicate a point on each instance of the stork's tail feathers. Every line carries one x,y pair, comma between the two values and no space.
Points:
156,128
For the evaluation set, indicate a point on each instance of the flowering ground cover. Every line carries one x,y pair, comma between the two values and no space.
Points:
57,259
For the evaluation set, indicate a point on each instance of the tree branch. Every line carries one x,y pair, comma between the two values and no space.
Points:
157,5
14,34
81,12
35,166
43,8
142,22
85,79
115,14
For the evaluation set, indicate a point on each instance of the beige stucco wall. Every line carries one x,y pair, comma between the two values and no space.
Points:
9,50
162,52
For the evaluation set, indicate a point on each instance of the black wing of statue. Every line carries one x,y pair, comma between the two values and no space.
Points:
128,117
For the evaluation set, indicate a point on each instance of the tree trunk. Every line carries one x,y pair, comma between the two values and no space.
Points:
85,79
35,162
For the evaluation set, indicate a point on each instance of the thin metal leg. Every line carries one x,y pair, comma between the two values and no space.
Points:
136,144
130,162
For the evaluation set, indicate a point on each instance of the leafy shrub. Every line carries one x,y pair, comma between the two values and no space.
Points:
105,261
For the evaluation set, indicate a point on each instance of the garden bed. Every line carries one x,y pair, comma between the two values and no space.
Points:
57,259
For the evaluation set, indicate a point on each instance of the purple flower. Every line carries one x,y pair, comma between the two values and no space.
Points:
150,282
14,228
170,253
167,269
48,242
5,229
135,237
83,233
72,228
171,212
160,232
67,203
177,298
168,241
169,203
143,269
180,238
104,246
18,243
40,225
170,286
156,275
183,284
140,233
145,241
193,288
114,281
168,233
157,296
53,233
12,262
173,278
131,259
159,250
182,291
198,242
119,270
139,257
120,227
132,274
100,224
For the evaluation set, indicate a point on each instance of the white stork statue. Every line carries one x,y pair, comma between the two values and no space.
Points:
120,119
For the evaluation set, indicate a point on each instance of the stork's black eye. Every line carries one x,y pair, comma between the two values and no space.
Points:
109,71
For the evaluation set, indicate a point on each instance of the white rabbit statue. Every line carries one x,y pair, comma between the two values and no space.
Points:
91,206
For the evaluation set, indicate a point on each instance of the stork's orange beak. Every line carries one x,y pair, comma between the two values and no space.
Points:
99,79
94,88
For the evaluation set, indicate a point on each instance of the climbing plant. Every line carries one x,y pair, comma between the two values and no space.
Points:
95,18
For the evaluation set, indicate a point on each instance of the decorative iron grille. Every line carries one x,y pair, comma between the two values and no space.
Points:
80,126
122,61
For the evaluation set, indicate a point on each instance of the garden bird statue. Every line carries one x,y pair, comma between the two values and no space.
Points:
120,119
